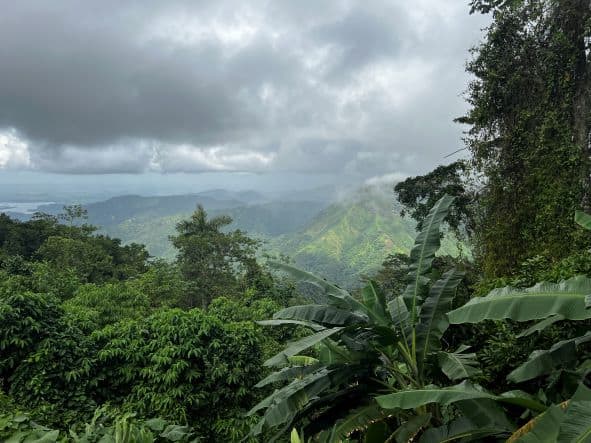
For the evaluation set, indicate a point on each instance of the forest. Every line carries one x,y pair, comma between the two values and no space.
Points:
99,342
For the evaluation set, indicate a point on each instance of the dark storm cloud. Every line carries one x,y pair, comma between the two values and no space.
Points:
367,88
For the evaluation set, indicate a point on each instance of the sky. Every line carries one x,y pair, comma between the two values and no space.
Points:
357,90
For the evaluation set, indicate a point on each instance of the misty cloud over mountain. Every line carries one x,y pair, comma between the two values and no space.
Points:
360,88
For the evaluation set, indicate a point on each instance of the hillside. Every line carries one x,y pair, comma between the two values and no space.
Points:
340,241
266,220
352,237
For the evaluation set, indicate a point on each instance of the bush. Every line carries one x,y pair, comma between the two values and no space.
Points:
186,366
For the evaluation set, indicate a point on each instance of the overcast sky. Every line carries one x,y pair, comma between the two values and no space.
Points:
361,88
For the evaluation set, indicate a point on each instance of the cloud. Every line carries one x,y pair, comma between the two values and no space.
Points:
362,88
14,152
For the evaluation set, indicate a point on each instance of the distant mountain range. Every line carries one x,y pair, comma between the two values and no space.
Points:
340,236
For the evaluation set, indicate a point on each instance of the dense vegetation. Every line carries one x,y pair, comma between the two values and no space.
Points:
99,342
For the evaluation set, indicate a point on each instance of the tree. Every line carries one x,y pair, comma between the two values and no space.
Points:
72,213
210,259
418,195
530,120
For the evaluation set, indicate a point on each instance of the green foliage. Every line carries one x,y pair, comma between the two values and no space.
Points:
530,110
186,366
419,194
209,259
162,284
109,303
366,346
26,320
103,428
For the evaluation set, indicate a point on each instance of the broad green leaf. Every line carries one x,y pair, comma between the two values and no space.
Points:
313,326
423,252
542,362
413,398
357,420
284,404
331,293
576,425
583,219
432,320
543,300
286,374
458,365
400,317
42,437
322,314
330,353
176,432
299,346
485,413
303,360
541,429
460,429
523,399
409,429
541,325
374,300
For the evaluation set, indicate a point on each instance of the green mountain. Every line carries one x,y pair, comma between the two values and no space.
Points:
352,237
341,241
264,221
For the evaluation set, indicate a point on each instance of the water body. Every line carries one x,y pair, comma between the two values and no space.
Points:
26,208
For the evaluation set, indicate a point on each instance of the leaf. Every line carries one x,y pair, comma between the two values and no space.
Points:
413,398
42,437
375,302
460,429
156,424
299,346
485,413
576,425
543,362
545,427
357,420
457,365
423,252
310,325
432,320
541,429
583,219
303,360
329,291
295,437
284,404
543,300
400,317
286,374
175,432
409,429
540,326
322,314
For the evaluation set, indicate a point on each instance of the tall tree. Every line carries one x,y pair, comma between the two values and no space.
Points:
210,259
529,130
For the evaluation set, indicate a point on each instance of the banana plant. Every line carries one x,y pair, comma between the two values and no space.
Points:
369,361
546,304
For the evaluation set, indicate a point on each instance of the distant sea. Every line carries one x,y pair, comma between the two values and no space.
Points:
26,208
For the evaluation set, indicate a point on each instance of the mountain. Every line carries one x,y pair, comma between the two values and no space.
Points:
266,220
340,240
352,237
